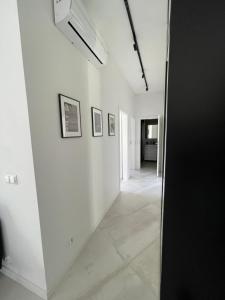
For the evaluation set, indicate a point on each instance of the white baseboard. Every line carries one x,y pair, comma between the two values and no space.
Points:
24,282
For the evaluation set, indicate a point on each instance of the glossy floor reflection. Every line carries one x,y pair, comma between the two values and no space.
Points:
122,259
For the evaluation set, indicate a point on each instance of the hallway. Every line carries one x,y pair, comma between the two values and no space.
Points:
103,103
78,233
121,261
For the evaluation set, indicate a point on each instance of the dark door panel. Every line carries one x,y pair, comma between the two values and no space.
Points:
193,260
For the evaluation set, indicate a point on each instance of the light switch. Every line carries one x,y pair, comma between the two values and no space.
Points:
11,179
7,179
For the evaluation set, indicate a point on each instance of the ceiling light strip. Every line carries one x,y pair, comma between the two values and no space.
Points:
136,46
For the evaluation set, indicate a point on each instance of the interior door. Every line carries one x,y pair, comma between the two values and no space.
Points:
193,257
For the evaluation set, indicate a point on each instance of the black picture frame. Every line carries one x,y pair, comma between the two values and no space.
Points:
95,131
111,118
65,133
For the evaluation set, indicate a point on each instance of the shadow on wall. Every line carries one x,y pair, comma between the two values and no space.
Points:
103,189
95,150
103,173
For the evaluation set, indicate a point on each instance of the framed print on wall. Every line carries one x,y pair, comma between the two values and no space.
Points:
111,125
97,123
70,117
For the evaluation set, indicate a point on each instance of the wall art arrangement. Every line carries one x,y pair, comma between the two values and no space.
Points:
70,117
97,122
111,125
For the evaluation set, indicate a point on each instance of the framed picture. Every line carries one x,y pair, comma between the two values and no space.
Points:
111,124
70,117
97,123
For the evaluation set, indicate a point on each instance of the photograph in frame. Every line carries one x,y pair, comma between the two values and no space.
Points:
97,122
111,125
70,117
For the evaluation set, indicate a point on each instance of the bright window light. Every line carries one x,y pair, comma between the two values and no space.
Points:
150,131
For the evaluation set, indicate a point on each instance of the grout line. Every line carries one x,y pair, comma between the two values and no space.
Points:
127,264
143,281
128,214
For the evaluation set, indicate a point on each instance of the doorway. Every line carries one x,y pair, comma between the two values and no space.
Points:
124,169
150,144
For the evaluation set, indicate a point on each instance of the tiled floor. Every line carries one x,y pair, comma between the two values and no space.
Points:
121,261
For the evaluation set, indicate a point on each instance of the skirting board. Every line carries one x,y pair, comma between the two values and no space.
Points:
24,282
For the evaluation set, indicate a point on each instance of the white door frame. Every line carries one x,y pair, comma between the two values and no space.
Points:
159,147
138,141
124,146
132,142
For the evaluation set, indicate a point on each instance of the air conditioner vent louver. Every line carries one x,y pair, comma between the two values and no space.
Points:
74,29
72,19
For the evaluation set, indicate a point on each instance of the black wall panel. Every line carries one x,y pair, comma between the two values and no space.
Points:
193,259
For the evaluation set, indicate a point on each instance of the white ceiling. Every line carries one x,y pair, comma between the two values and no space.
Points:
150,22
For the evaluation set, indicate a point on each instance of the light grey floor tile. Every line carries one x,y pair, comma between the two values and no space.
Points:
131,234
98,260
147,266
125,286
126,204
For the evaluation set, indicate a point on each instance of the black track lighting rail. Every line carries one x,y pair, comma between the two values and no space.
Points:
136,46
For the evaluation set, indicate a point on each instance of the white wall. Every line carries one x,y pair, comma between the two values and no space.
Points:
150,105
18,203
77,179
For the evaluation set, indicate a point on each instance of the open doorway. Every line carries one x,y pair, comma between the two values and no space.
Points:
149,144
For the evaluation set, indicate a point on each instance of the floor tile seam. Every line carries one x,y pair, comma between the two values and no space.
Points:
130,261
113,240
126,215
151,287
108,278
102,283
143,189
127,264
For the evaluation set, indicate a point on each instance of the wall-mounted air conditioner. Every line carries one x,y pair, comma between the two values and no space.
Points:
72,19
